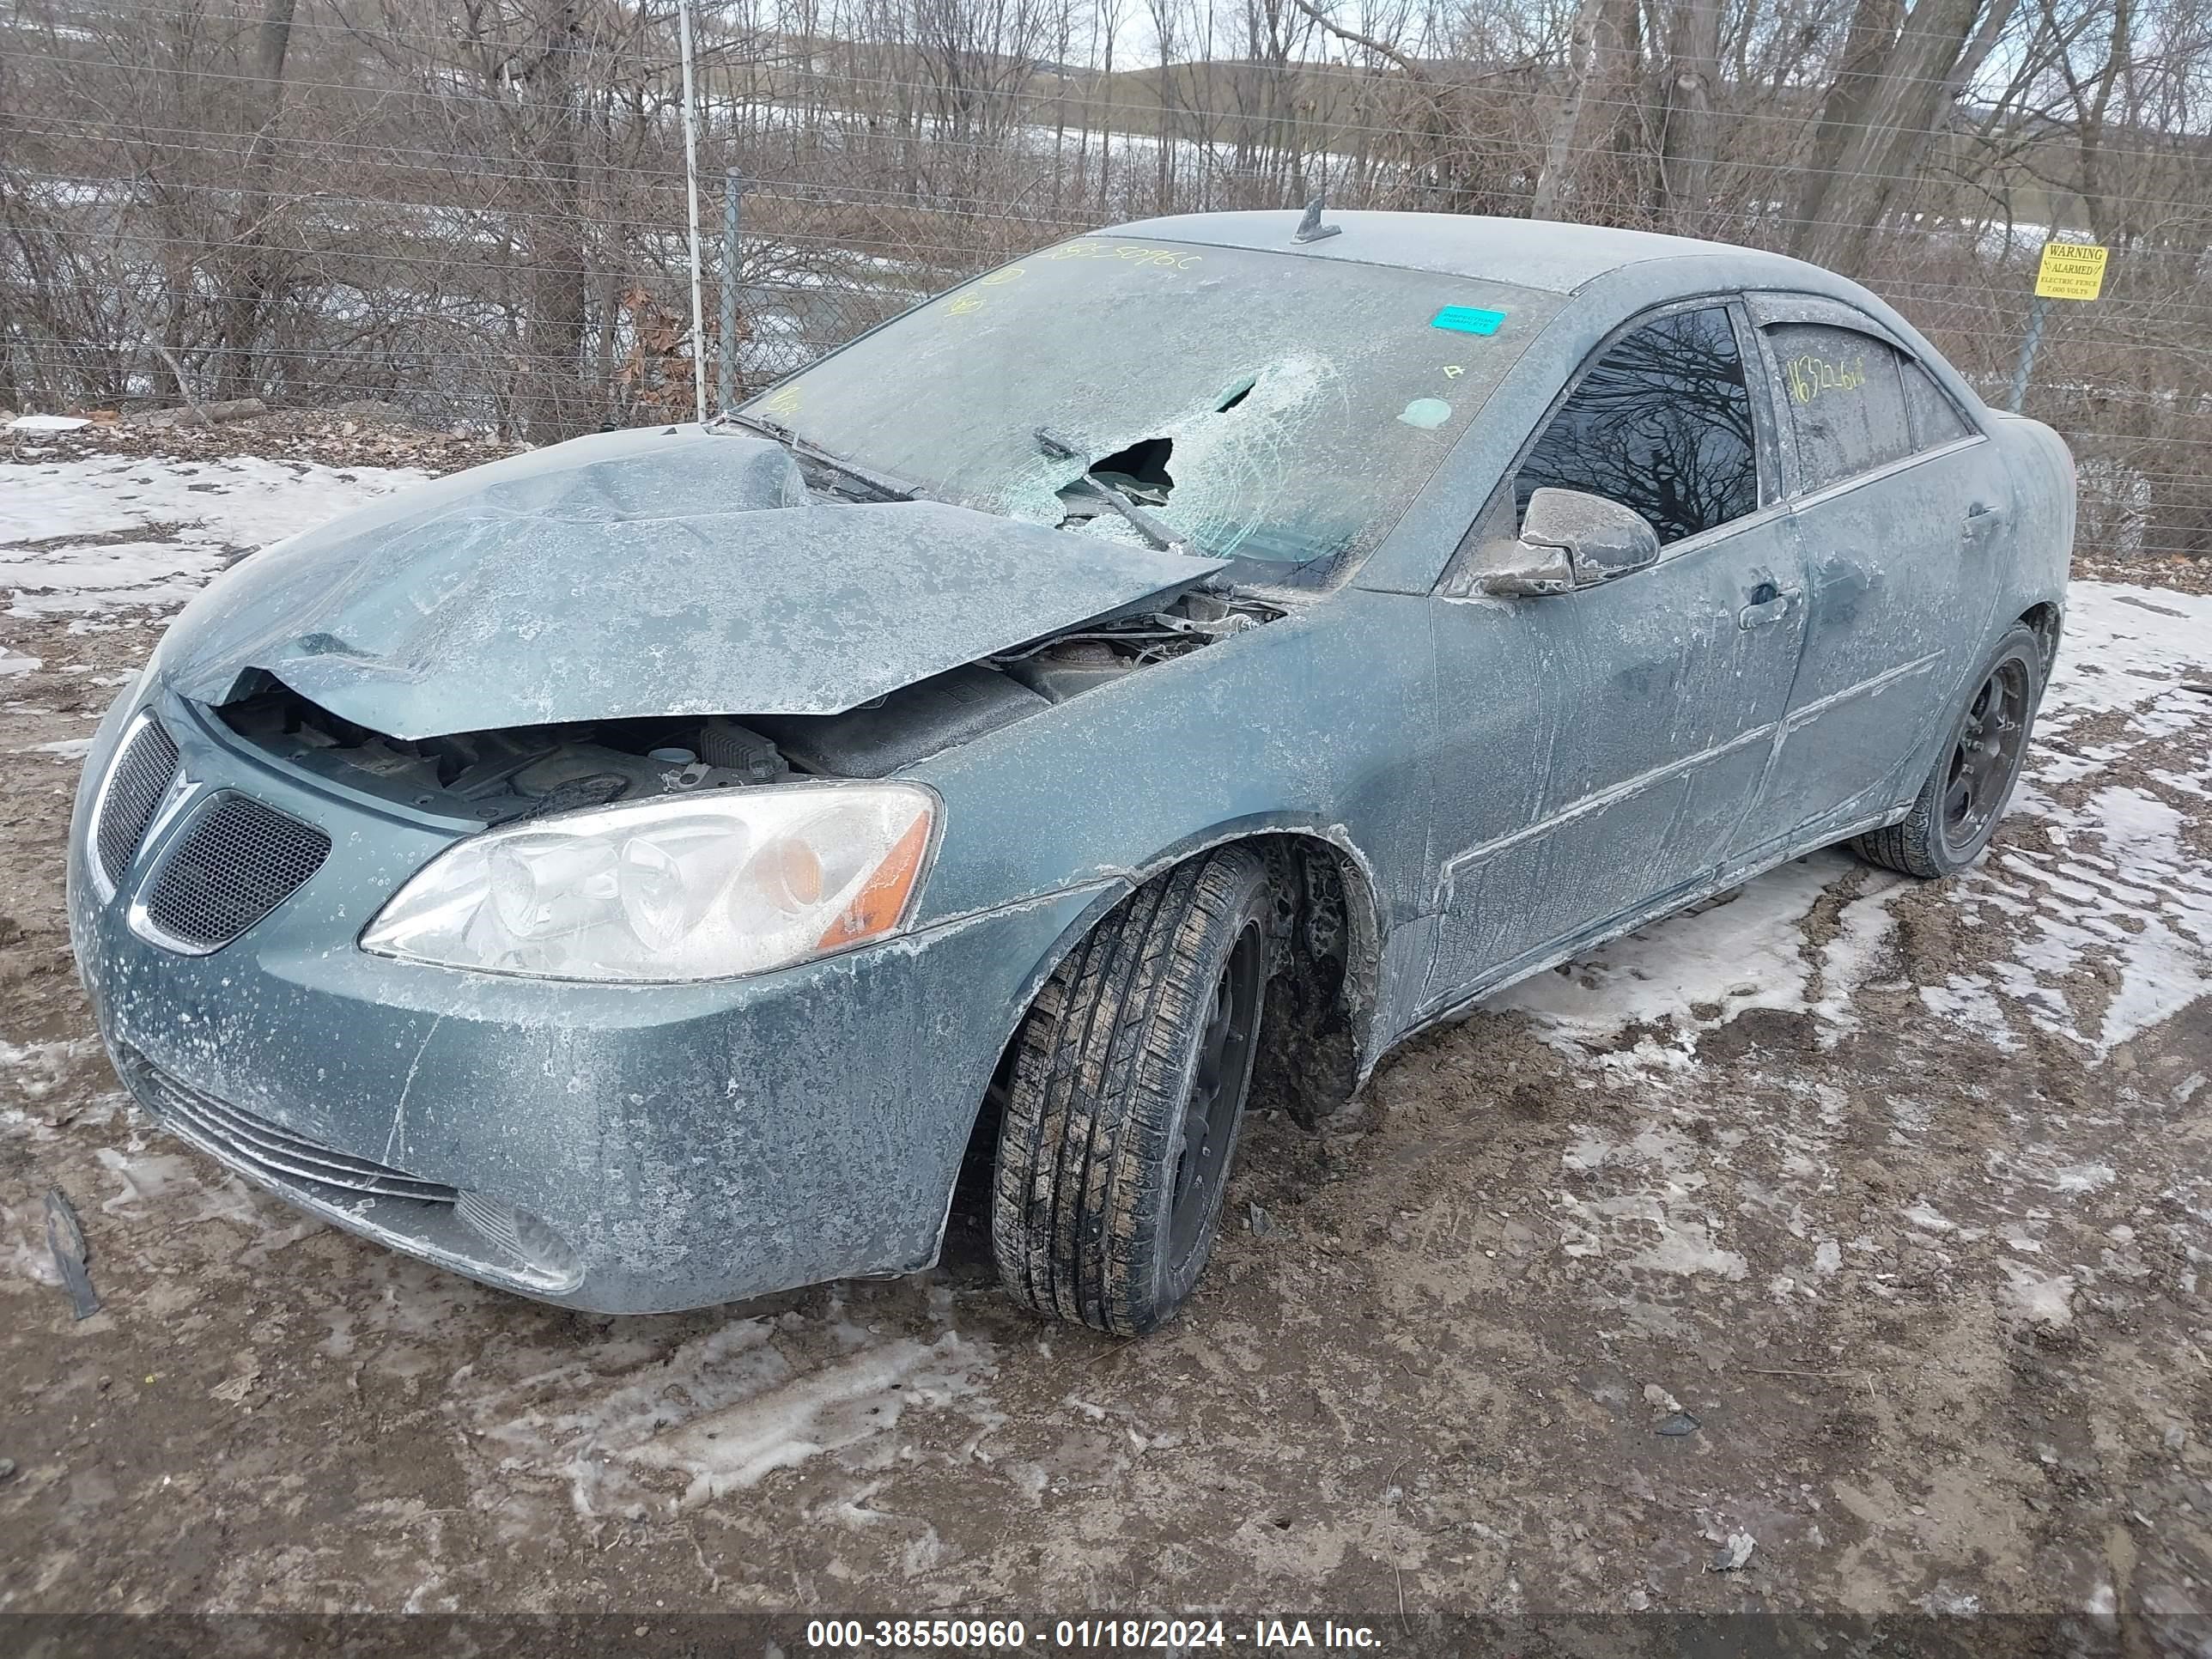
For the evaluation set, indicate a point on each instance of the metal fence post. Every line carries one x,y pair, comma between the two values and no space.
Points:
691,209
2026,365
726,383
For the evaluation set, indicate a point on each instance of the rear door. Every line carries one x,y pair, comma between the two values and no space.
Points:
1900,503
1598,749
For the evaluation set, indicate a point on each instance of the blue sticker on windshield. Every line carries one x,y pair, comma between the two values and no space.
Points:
1468,320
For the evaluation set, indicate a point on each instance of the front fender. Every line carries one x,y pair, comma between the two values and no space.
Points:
1316,725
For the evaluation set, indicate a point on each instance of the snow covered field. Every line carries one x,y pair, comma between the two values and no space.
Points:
89,537
1898,1189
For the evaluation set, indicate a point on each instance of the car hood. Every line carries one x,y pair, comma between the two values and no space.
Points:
671,571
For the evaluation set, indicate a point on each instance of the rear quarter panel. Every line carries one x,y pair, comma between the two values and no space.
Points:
2042,470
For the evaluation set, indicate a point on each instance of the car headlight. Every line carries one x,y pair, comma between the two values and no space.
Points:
682,887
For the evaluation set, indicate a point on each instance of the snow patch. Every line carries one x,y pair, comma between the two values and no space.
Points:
834,1406
725,1409
1701,968
38,1071
2040,1299
23,1251
158,573
148,1176
99,534
2111,931
1662,1224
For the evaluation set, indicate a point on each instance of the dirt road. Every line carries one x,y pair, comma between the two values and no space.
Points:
1858,1219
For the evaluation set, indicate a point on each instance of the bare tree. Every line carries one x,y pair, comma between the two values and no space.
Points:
474,208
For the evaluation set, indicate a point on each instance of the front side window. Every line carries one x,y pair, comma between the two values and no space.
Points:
1845,395
1662,424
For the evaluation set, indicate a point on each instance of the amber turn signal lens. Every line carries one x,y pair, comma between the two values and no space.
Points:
876,908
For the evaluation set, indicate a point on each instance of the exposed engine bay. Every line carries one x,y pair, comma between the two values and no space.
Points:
519,772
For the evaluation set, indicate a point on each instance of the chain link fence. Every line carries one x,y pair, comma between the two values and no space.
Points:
477,213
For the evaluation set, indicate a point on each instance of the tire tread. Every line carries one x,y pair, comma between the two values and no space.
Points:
1098,1079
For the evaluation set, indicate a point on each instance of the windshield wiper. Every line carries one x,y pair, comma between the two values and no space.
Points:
1061,448
1146,525
878,486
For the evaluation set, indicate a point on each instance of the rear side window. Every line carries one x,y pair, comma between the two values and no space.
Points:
1661,424
1935,418
1845,395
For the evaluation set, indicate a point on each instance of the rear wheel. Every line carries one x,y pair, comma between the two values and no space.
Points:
1129,1078
1958,808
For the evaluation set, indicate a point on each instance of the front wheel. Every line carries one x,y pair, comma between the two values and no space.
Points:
1958,808
1130,1074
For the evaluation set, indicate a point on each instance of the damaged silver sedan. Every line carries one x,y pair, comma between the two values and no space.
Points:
1136,687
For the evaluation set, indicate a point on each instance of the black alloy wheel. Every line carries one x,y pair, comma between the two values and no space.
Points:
1222,1079
1981,759
1986,756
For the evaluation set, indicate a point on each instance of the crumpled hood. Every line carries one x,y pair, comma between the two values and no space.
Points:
658,571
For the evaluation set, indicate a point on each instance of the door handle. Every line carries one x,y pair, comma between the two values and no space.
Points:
1981,517
1761,613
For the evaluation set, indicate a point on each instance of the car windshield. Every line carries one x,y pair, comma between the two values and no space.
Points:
1255,405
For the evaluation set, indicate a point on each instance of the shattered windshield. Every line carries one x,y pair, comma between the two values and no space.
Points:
1255,405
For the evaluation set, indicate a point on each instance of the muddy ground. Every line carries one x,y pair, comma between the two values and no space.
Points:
1853,1232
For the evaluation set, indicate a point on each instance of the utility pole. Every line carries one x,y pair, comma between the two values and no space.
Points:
691,186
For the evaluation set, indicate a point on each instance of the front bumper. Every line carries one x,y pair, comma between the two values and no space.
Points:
686,1145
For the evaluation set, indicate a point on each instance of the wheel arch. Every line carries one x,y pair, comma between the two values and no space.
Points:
2047,618
1290,1076
1272,835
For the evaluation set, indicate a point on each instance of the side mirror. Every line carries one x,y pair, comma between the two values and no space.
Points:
1569,540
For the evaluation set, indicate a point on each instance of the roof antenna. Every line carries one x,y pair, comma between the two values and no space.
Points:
1310,228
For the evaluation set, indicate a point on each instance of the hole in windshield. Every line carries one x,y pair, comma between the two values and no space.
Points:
1236,395
1140,472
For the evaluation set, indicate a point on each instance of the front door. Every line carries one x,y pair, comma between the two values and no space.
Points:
1599,749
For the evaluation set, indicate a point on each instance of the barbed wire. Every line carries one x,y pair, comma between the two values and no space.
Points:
411,273
945,205
821,341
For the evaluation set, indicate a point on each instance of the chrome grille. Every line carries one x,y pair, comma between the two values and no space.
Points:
234,864
239,1138
141,776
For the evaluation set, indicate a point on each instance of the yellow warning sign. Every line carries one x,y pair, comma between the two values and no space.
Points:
2070,270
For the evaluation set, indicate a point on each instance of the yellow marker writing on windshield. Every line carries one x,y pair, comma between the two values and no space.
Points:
1155,259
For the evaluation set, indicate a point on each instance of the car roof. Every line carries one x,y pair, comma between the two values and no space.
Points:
1538,254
